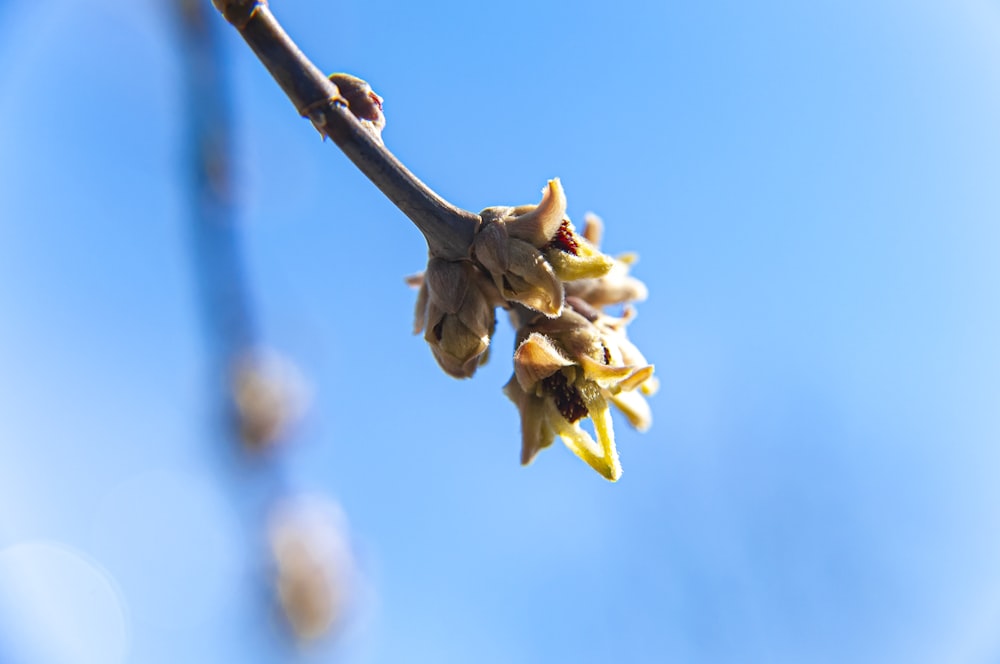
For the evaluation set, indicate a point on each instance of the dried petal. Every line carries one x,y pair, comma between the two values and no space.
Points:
448,283
539,225
490,247
420,310
530,280
456,347
615,287
573,333
537,358
536,433
593,229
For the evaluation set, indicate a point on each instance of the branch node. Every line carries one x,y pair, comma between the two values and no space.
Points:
239,12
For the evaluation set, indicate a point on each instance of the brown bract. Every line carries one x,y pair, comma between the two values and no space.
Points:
530,250
456,311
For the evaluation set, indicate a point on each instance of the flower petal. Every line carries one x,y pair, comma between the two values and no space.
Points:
581,444
604,375
420,310
490,247
537,358
650,387
600,414
593,229
640,376
531,281
456,348
536,432
613,288
447,282
634,407
586,265
538,226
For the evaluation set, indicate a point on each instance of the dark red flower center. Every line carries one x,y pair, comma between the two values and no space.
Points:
567,398
563,240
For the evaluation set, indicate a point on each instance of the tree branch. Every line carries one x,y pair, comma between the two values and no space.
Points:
448,229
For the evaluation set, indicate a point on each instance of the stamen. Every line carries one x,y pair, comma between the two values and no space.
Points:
567,398
563,240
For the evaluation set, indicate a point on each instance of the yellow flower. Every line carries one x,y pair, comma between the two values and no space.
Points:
567,370
530,250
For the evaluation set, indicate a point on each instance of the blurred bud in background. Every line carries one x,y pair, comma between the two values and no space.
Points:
316,577
270,396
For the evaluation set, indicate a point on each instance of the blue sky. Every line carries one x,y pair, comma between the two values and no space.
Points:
812,188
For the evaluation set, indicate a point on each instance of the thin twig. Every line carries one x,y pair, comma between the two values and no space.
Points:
449,230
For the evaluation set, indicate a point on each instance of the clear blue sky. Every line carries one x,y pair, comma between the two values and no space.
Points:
814,189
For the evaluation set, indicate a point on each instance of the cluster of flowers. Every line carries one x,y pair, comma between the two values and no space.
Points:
573,359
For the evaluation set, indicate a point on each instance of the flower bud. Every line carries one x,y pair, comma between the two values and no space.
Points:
455,310
362,101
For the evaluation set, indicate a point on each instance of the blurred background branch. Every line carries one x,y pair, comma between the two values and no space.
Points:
260,394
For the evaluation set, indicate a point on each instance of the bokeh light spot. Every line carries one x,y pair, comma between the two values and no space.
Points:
58,607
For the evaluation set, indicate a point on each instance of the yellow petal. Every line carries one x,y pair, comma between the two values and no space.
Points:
601,455
637,378
604,375
600,414
581,444
570,267
634,407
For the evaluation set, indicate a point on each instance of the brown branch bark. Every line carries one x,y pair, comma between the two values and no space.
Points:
448,229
